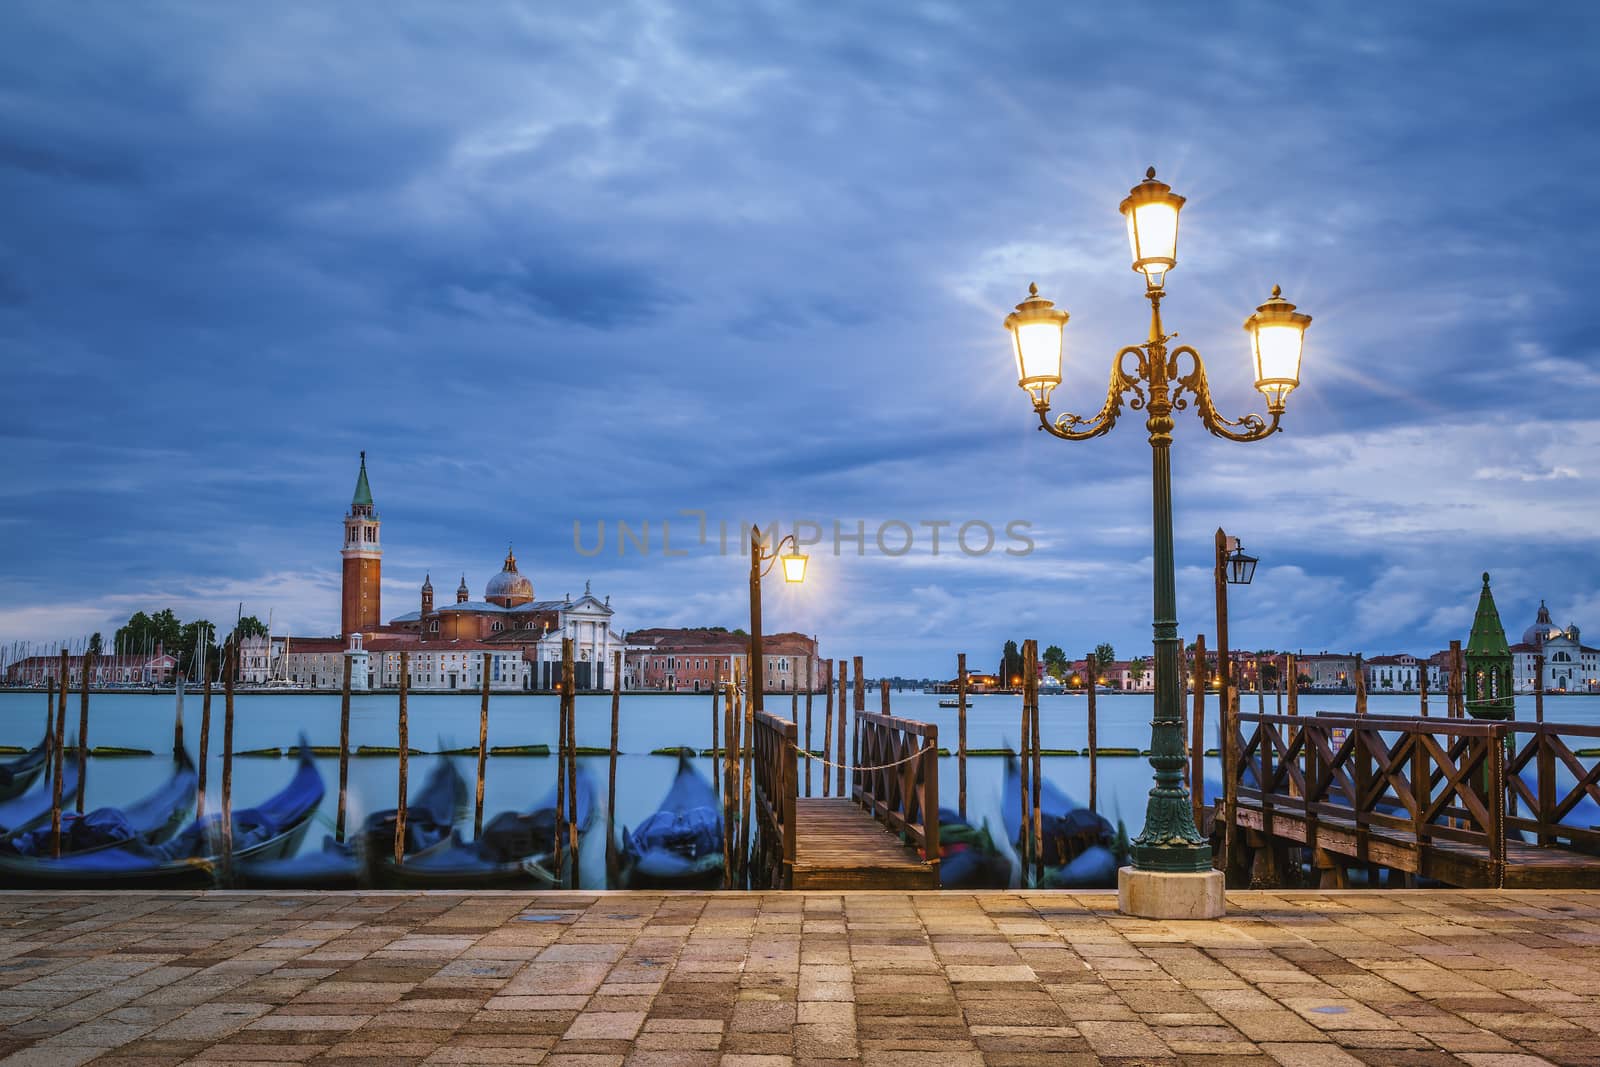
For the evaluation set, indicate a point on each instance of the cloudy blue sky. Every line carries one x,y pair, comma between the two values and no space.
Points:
556,264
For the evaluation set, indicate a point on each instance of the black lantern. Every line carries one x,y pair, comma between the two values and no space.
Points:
1241,568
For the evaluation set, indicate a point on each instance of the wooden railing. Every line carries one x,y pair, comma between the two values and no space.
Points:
775,760
1417,782
896,778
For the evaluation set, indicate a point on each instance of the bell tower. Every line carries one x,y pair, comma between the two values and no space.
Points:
363,561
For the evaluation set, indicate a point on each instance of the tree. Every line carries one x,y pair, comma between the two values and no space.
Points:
199,640
1104,655
1055,662
249,626
1269,675
1136,671
1010,664
95,644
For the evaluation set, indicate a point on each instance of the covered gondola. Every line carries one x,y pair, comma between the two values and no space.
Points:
351,864
25,811
516,849
679,845
149,820
968,855
195,857
1077,846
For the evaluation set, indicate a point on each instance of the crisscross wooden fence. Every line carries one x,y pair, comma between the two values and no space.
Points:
775,758
896,778
1468,803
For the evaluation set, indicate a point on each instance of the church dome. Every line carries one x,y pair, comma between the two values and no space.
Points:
1542,629
508,588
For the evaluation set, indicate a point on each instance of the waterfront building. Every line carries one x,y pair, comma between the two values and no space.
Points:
1570,666
107,670
1336,670
446,666
694,660
1399,673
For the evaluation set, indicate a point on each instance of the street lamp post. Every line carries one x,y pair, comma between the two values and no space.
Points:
794,570
1171,875
1233,567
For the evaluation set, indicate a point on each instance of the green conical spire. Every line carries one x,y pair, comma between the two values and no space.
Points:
1488,662
363,490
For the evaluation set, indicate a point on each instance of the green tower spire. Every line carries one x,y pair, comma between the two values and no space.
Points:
1488,662
363,495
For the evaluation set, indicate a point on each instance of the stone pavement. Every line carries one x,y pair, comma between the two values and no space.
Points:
762,980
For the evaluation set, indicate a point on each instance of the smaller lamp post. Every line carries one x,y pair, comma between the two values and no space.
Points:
762,560
1233,567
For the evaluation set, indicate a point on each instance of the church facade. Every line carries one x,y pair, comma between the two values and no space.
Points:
1570,666
508,635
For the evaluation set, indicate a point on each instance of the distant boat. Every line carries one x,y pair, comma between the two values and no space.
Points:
949,703
679,845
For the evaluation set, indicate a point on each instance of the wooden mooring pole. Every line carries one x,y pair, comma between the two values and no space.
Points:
728,746
855,735
205,745
811,685
1361,686
1030,683
1458,689
1197,734
344,748
827,730
1422,686
961,731
1025,771
570,687
747,731
49,728
716,733
883,686
83,728
230,668
483,750
60,753
405,750
1294,682
1538,687
1094,741
611,784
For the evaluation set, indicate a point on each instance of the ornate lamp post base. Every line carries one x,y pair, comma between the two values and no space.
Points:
1170,894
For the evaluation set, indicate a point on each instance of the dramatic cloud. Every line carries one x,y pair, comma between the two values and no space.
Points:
750,259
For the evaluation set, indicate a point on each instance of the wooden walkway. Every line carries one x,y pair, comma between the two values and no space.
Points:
877,837
839,846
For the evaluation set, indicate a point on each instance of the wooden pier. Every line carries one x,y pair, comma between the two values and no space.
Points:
1468,803
885,835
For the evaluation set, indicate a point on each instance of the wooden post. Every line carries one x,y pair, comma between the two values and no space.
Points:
860,706
1458,688
49,727
570,687
961,730
1538,686
1361,686
405,750
746,772
827,729
611,786
1422,686
1261,690
1031,682
1225,709
1025,771
63,683
1294,683
811,684
838,745
1197,734
483,750
1094,741
344,747
883,684
83,730
1279,687
230,668
205,745
730,744
716,733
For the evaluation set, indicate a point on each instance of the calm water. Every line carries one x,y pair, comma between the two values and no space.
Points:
648,722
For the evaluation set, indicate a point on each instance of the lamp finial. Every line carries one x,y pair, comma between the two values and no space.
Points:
1150,172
